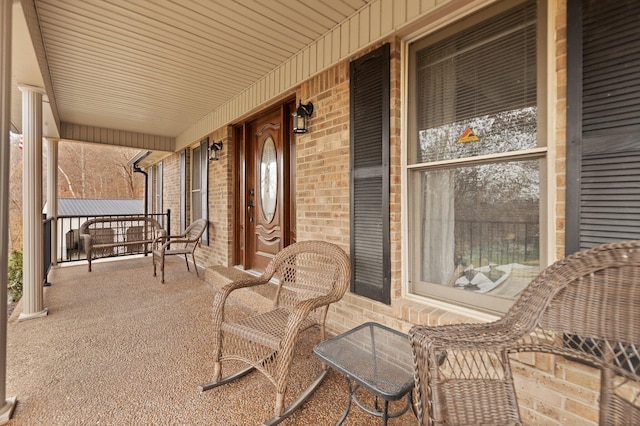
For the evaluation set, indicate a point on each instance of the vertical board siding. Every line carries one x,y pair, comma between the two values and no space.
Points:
365,26
313,57
373,22
83,133
413,10
386,21
399,13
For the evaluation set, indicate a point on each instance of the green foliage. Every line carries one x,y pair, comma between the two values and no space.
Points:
15,275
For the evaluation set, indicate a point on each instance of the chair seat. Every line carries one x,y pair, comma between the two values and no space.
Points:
265,329
172,251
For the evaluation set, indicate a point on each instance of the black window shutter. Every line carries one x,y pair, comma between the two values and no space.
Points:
369,105
603,129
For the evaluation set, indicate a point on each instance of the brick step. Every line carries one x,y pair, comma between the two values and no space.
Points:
257,299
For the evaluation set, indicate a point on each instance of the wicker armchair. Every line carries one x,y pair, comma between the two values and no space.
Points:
183,244
311,275
585,306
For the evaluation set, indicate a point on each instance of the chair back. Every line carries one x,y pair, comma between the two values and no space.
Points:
309,269
586,306
193,233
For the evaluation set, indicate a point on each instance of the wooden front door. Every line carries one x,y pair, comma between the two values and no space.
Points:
266,197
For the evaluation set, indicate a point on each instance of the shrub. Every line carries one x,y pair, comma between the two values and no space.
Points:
15,275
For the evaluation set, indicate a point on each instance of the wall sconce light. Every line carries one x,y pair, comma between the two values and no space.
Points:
213,151
300,117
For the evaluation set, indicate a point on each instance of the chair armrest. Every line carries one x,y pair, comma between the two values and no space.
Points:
87,242
494,335
304,308
302,311
178,240
159,239
296,317
224,292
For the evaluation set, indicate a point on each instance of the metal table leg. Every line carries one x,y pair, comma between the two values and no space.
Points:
351,391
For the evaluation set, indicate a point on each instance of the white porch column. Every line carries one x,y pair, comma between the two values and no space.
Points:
52,196
6,405
32,268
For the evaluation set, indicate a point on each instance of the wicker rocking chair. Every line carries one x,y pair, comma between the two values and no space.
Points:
183,244
585,307
312,275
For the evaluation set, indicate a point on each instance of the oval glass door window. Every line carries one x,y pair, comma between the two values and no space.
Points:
268,179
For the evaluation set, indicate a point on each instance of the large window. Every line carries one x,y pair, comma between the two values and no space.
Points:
476,158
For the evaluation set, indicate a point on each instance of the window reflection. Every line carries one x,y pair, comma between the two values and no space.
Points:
480,227
268,179
505,131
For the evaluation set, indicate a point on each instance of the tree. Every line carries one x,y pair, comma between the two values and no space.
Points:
15,193
97,171
84,171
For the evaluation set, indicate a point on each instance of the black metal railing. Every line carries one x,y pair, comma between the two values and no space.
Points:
46,247
483,242
71,246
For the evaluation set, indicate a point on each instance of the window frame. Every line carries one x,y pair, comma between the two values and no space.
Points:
195,183
199,187
545,64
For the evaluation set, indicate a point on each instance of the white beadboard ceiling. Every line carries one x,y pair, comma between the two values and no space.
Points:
157,66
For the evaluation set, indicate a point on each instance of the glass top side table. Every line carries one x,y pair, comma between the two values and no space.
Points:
376,358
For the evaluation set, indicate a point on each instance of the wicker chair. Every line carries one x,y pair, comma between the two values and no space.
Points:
585,307
311,275
183,244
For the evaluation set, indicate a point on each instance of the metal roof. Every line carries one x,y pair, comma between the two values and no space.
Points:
98,207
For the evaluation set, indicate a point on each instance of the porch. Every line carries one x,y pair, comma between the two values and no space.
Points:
118,347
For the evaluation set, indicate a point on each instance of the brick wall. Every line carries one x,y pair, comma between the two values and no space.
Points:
322,160
561,124
171,190
220,192
219,250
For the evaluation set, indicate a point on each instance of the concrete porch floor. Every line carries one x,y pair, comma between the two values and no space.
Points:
119,348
